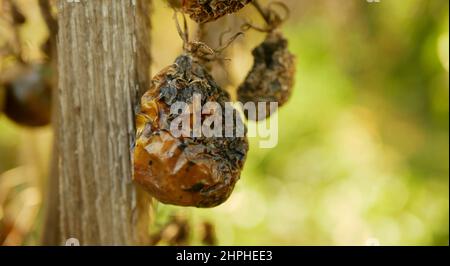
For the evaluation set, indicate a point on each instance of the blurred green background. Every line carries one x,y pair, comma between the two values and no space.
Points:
363,153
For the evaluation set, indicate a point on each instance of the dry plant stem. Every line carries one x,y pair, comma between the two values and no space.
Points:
198,49
202,32
261,10
207,33
271,16
103,65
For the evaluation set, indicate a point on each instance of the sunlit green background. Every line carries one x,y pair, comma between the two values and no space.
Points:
363,153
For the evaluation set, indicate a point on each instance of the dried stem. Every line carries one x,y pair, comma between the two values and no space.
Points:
270,16
261,10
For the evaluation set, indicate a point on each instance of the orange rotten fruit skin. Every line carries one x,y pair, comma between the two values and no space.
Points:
202,11
185,171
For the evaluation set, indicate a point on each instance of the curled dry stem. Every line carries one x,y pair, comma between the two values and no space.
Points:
201,50
271,16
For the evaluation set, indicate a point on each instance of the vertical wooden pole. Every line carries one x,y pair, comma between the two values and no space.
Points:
103,68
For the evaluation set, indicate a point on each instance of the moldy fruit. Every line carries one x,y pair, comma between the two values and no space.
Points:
272,77
185,171
203,11
28,95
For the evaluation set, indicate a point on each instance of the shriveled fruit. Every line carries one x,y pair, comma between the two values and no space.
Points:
28,95
203,11
272,77
186,171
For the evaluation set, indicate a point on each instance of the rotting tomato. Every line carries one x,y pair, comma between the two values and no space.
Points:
271,78
185,171
203,11
27,95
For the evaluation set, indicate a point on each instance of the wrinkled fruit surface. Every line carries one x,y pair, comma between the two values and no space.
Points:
28,96
185,171
272,77
203,11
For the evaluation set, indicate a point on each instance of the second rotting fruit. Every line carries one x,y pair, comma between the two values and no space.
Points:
203,11
271,78
185,171
28,95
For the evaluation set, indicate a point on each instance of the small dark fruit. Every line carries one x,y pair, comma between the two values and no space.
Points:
27,99
271,78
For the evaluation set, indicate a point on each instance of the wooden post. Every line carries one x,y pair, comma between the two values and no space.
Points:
103,69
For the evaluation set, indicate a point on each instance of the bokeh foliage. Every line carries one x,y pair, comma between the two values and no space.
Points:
363,153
